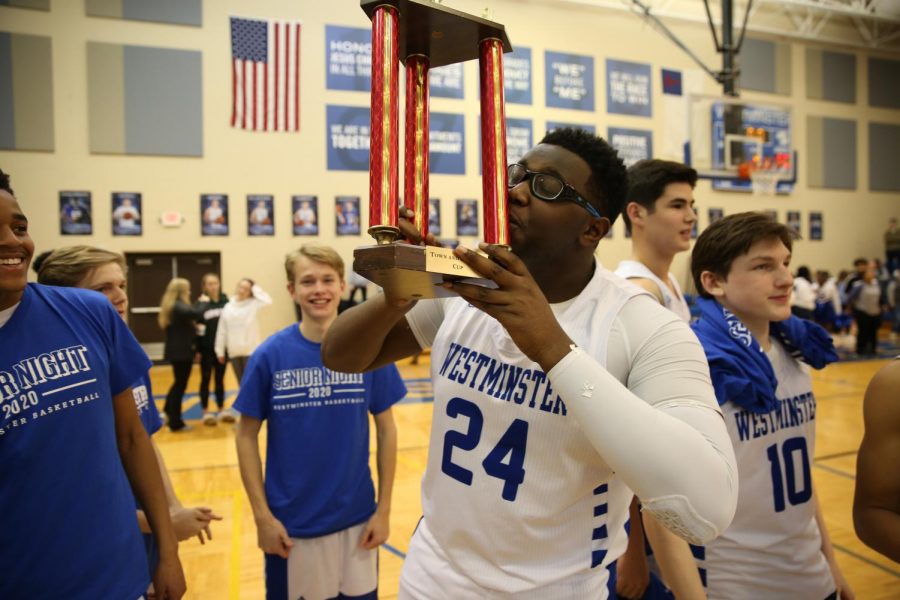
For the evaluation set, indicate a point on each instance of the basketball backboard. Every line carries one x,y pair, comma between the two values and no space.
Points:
729,138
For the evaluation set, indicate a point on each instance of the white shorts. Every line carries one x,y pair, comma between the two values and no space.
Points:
428,575
323,567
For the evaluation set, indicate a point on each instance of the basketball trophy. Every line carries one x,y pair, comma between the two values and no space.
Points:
426,35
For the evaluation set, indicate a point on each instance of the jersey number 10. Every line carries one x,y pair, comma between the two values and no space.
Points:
788,481
512,443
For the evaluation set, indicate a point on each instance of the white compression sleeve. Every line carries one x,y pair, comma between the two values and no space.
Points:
676,457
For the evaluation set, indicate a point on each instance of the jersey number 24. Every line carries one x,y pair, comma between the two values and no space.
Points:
512,444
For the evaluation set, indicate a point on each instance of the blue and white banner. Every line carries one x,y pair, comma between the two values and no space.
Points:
551,125
347,138
348,58
632,144
447,144
628,88
447,81
260,214
127,216
305,211
519,138
214,214
569,80
75,216
517,76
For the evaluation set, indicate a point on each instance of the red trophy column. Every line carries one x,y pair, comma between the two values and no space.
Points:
493,143
384,135
415,175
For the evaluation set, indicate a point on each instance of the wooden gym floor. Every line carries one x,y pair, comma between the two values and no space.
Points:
203,467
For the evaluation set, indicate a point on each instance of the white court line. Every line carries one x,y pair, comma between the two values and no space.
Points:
68,387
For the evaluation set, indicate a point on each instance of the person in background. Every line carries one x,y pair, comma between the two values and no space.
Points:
828,300
104,272
317,518
868,302
892,245
803,297
238,333
73,452
876,506
178,319
209,306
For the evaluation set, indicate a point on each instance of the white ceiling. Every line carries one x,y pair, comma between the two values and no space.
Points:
868,24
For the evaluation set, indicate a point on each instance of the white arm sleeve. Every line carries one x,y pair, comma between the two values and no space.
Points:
663,434
425,319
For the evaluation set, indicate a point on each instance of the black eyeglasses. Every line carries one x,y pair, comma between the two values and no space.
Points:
547,187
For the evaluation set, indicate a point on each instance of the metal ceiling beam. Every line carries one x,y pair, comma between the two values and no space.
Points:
835,14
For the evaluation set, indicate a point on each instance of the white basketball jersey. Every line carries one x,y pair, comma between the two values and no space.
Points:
629,269
772,549
514,494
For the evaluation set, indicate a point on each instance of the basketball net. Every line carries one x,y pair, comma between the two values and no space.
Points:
764,175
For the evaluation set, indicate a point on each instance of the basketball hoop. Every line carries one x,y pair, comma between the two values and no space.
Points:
764,174
765,183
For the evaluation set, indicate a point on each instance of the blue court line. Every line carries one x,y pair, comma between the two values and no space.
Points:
394,551
835,455
866,560
836,471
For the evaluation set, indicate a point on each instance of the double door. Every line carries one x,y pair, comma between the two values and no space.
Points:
148,275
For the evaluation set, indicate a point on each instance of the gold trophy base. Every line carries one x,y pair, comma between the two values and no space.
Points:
412,272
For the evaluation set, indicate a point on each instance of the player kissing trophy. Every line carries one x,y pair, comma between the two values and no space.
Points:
427,35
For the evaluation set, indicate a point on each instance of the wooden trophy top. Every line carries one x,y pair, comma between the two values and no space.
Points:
446,36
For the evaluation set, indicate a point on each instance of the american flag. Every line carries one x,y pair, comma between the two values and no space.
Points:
265,70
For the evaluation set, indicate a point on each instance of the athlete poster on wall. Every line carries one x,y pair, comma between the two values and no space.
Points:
447,81
466,217
569,80
347,138
632,145
517,76
346,215
793,220
126,213
214,214
75,216
260,214
715,214
434,216
628,88
348,58
446,144
816,226
305,211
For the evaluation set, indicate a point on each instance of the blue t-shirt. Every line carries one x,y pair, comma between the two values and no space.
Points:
143,401
69,528
149,415
317,456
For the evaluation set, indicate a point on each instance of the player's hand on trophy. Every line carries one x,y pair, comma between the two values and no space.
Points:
406,222
517,302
